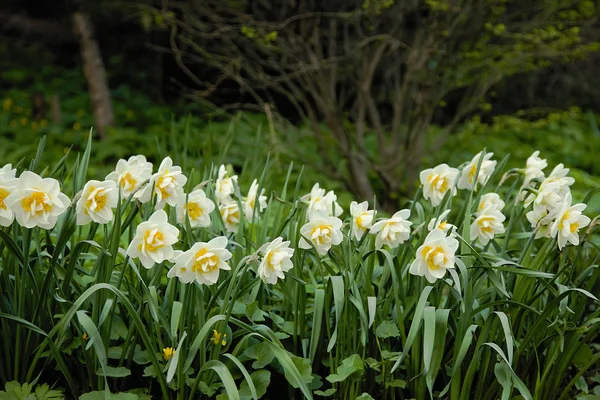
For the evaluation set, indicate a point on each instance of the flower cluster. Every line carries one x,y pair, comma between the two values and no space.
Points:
34,201
552,213
30,199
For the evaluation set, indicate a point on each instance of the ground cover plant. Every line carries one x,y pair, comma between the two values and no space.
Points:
158,282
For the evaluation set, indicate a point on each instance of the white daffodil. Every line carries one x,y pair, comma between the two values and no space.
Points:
179,270
541,218
224,186
321,204
8,182
131,174
197,209
441,223
393,231
277,259
362,218
553,189
96,202
437,182
322,233
535,168
7,172
250,201
230,213
569,220
167,184
486,225
202,262
490,200
37,201
154,240
468,180
435,256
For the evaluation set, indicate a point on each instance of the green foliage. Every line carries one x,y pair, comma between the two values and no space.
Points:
14,391
517,317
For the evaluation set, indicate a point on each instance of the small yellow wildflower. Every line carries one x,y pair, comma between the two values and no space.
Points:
85,337
76,126
216,339
168,353
24,121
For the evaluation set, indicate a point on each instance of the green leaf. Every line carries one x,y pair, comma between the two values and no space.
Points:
351,367
254,313
583,356
141,357
175,360
114,372
414,326
261,353
261,380
399,383
387,329
43,392
582,385
226,378
304,368
326,393
502,372
337,285
428,336
365,396
175,315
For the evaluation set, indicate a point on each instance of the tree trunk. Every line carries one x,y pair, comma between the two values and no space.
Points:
94,71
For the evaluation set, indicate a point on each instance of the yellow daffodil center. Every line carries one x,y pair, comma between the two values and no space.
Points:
3,194
231,218
565,216
482,206
216,339
194,211
321,234
85,337
168,353
574,227
439,182
96,201
360,222
485,224
37,203
269,260
205,261
472,172
127,181
434,256
442,225
163,183
153,241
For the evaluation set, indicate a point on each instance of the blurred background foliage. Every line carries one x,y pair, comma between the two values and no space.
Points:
363,93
